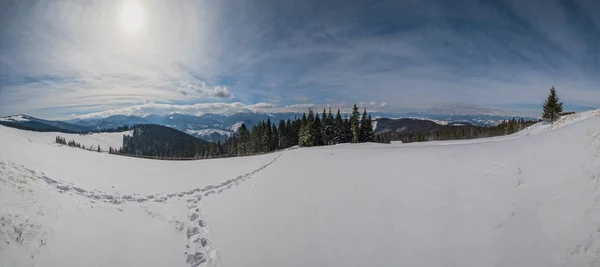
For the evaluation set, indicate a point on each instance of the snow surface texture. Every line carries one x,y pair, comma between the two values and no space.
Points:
519,200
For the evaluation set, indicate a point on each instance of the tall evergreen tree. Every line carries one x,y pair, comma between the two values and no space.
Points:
362,133
274,138
315,132
282,135
369,133
347,130
338,132
244,142
552,106
355,127
303,134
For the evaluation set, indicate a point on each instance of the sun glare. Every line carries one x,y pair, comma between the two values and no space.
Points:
131,17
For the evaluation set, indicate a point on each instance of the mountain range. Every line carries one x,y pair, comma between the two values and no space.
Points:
218,127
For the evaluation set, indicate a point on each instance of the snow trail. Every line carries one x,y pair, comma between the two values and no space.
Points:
199,249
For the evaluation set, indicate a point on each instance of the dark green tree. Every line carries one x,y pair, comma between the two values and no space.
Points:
315,132
338,131
552,106
354,125
369,133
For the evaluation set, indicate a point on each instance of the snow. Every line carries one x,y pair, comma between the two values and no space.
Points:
205,132
436,121
236,126
14,118
560,122
105,140
374,125
528,199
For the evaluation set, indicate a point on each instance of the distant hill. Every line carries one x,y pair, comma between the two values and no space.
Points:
109,122
385,125
210,127
26,122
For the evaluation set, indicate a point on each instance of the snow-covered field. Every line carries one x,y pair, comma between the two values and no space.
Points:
104,140
529,199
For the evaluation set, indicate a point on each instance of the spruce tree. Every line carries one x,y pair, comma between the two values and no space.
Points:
346,130
283,141
354,125
302,134
369,133
552,106
275,138
244,141
315,132
338,132
362,132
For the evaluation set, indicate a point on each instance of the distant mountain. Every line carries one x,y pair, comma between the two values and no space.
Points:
109,122
210,127
32,123
384,125
218,127
476,120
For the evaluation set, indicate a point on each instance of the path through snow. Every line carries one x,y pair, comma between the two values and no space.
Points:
199,249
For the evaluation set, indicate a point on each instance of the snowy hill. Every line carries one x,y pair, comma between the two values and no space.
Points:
32,123
529,199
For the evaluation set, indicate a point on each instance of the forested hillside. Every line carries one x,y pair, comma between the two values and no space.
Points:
312,129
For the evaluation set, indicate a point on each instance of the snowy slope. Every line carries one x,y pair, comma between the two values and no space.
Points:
104,140
15,118
505,201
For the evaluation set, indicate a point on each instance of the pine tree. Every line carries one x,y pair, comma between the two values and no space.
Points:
275,138
369,133
303,134
552,107
338,125
362,132
244,141
315,132
346,130
355,127
99,150
283,141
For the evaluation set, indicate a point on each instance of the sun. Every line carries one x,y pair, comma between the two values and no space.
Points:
131,17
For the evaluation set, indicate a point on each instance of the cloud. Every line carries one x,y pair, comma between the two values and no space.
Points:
221,92
371,104
219,108
303,99
70,57
165,109
188,88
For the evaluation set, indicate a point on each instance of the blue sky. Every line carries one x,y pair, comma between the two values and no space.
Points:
60,59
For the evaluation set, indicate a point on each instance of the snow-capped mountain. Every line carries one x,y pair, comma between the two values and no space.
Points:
33,123
218,127
210,127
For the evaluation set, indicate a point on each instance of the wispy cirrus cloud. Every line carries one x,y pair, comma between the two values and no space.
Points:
73,57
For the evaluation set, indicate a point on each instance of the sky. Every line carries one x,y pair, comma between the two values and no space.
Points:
67,59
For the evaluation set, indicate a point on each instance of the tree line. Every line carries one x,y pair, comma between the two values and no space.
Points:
313,129
72,143
452,132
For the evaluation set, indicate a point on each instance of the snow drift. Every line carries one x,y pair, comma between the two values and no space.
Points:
530,199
